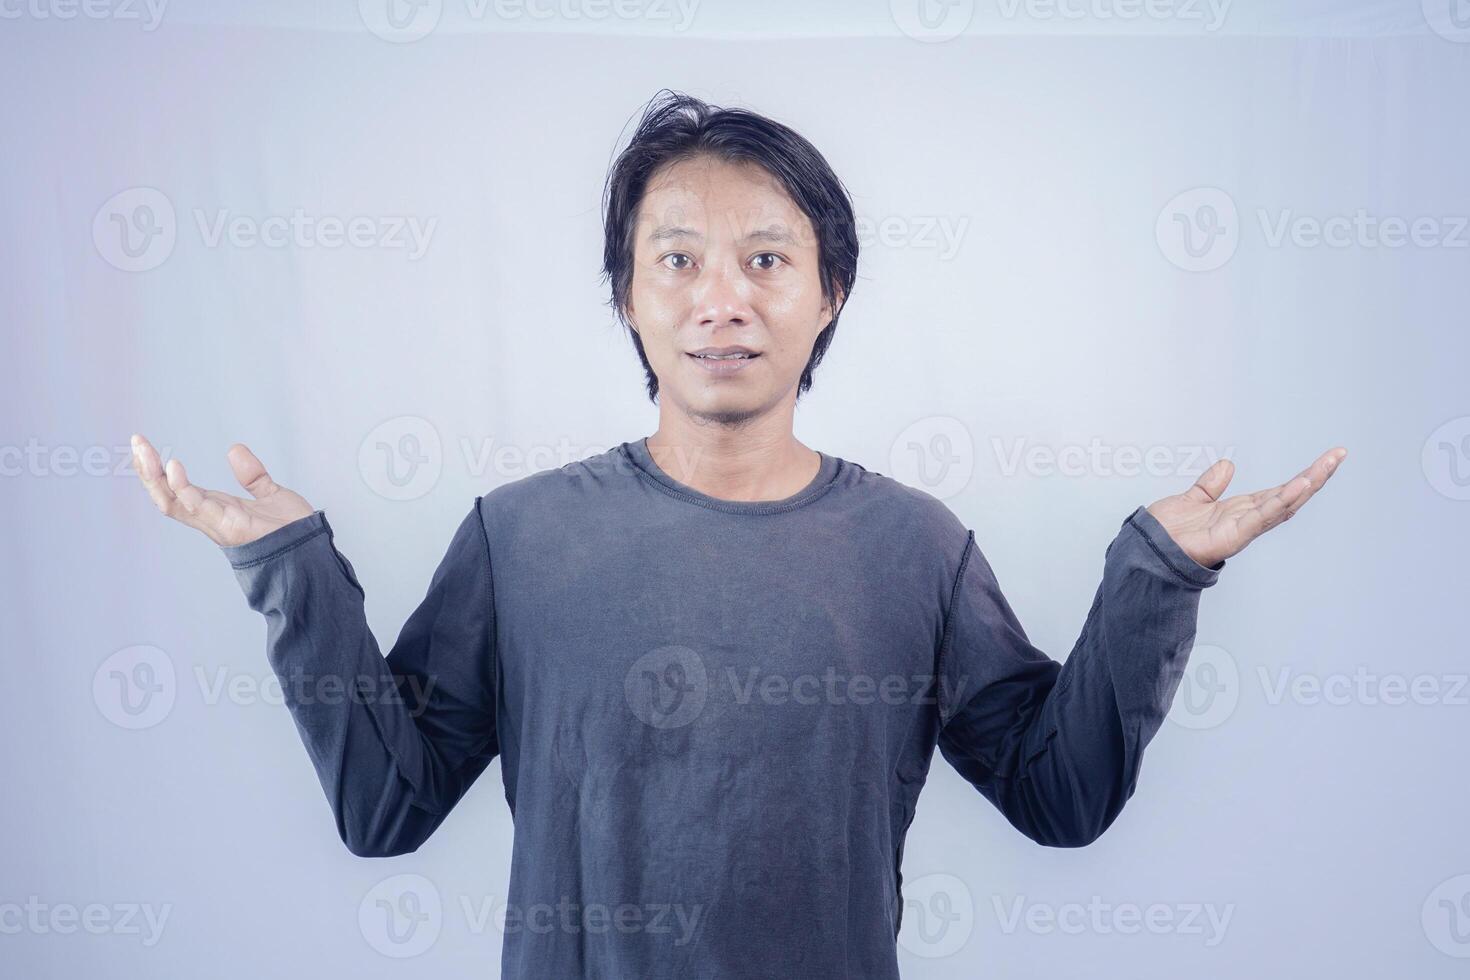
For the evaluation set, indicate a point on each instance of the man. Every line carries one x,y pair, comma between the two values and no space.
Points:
715,663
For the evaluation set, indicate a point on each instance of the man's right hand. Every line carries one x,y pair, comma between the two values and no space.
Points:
226,519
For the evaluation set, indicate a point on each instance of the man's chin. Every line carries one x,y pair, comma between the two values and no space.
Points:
723,411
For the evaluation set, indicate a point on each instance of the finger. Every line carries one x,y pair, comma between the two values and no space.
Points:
150,471
205,508
1212,482
184,491
250,471
1269,508
1315,476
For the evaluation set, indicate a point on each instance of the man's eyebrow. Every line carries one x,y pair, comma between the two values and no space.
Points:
774,235
667,233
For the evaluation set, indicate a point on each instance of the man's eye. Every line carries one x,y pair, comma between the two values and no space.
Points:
775,261
675,257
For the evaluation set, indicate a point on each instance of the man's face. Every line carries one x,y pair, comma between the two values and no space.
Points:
726,295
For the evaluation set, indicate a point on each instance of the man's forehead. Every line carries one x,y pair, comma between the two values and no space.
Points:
698,221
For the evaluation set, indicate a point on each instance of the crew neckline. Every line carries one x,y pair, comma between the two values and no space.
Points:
637,451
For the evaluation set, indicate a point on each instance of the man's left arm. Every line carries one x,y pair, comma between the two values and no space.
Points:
1057,747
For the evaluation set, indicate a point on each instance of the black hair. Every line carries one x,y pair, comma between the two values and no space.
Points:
677,127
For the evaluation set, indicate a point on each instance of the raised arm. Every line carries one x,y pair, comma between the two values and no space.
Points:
1057,747
396,742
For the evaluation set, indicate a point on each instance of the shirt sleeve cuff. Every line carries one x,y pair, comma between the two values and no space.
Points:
281,540
1167,550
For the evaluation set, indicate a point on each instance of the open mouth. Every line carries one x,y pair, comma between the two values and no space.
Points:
723,360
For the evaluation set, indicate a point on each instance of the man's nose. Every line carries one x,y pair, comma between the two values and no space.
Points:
722,299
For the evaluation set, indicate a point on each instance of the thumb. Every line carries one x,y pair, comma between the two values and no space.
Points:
250,471
1212,482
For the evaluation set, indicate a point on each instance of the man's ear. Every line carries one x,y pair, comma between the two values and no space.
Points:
830,310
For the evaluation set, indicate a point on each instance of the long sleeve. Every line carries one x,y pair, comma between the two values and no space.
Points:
1057,747
395,742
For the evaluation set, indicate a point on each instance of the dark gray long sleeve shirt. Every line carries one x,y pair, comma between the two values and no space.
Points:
714,718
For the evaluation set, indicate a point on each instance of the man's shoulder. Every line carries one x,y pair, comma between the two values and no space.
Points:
879,500
554,488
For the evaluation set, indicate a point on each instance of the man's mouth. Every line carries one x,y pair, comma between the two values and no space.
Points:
723,361
724,354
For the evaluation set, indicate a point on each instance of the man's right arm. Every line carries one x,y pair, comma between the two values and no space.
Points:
395,742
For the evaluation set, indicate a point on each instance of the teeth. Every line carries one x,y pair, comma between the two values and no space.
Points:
723,357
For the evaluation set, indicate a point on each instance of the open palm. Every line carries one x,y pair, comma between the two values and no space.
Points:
1210,529
226,519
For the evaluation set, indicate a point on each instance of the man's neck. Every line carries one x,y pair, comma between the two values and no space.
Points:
760,459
